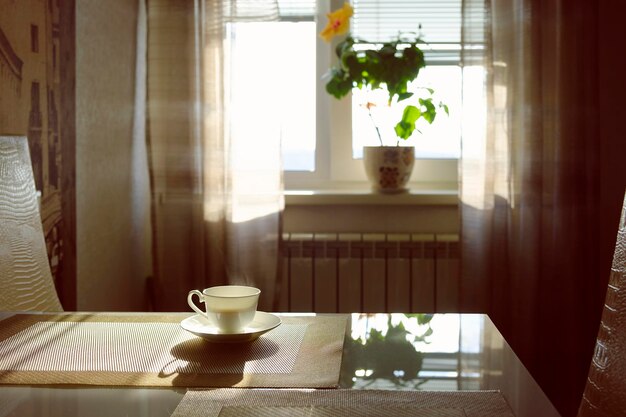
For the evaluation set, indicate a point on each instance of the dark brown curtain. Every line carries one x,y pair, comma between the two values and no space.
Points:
540,189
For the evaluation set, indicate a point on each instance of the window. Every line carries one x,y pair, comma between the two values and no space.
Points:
438,23
437,140
322,137
34,38
272,64
287,74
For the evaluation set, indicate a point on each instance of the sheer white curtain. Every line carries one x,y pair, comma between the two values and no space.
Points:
532,187
216,178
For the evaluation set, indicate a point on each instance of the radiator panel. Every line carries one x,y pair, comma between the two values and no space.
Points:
423,284
354,272
349,285
325,274
374,288
399,285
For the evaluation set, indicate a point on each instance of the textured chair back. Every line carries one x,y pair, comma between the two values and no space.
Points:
25,278
605,392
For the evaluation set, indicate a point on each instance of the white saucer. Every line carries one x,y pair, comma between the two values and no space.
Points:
262,323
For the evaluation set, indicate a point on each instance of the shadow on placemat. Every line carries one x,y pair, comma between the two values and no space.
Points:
227,358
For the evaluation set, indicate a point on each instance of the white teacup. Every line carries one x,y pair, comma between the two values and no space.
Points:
228,307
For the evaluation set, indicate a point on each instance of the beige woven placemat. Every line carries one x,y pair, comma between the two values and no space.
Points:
341,403
153,350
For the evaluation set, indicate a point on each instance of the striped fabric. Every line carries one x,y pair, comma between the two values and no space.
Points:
25,278
342,403
154,350
143,348
322,411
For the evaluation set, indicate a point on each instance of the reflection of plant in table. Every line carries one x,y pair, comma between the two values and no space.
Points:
391,356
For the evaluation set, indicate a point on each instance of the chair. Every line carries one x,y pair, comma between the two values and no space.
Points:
25,278
605,392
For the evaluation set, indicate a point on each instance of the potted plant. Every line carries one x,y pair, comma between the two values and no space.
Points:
389,66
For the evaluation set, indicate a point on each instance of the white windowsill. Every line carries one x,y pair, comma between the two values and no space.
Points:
415,196
425,208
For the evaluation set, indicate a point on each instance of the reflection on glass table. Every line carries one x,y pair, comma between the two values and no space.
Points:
410,351
437,352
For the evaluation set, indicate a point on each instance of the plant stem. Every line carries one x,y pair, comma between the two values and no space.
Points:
369,111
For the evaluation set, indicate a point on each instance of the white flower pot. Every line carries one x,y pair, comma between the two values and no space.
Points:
389,168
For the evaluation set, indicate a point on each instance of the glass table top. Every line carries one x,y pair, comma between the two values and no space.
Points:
415,352
430,352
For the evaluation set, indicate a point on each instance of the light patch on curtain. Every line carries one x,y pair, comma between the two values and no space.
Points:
250,204
255,129
256,179
474,145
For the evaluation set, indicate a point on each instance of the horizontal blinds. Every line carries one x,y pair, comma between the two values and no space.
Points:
250,10
268,10
296,9
440,21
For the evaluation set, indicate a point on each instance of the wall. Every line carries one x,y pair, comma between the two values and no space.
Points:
418,211
36,100
112,198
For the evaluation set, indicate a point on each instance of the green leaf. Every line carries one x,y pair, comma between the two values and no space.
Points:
404,129
424,318
339,85
349,60
388,50
404,96
343,46
411,114
428,109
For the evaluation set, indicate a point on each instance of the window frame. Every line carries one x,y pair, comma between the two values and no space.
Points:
335,168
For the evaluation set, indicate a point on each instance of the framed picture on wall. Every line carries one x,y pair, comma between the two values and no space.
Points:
37,67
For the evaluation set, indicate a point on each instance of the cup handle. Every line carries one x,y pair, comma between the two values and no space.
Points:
192,304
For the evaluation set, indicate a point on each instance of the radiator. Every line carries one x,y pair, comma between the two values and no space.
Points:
356,272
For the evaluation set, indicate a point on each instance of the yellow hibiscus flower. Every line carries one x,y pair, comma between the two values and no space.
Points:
338,22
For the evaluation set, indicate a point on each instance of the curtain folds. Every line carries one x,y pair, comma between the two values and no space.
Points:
201,238
530,187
